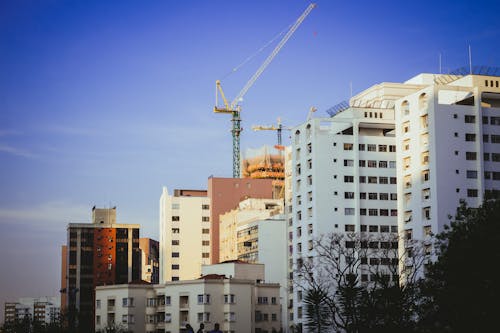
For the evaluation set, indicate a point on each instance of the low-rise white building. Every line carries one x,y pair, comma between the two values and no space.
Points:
40,309
231,294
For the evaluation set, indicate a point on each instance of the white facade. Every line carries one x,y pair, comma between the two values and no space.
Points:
184,234
121,306
448,131
41,309
344,179
238,304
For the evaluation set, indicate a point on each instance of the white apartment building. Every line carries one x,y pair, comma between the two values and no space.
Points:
41,309
255,232
184,234
235,297
343,178
448,143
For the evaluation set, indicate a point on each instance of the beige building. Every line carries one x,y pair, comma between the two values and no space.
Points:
232,224
235,297
184,234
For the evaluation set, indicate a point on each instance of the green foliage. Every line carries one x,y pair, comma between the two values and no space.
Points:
461,290
317,310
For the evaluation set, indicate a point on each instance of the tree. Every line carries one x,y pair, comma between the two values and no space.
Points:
461,290
352,283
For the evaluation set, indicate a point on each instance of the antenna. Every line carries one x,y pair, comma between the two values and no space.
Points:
440,71
470,60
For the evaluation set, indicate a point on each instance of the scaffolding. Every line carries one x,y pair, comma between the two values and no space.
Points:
264,163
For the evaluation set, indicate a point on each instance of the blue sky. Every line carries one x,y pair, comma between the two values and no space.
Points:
104,102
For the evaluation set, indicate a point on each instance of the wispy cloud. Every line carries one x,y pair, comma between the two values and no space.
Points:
50,214
5,148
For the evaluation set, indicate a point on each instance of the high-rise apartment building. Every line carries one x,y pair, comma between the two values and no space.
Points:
99,253
150,260
184,234
448,142
344,181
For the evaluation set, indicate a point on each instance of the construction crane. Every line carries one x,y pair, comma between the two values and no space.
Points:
278,128
234,108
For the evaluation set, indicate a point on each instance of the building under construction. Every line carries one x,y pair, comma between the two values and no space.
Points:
265,163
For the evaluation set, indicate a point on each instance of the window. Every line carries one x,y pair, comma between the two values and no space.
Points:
383,196
229,299
424,139
362,195
470,119
348,211
128,302
372,164
205,207
175,242
98,304
494,120
372,196
349,227
372,147
361,147
362,163
384,212
372,212
309,180
408,216
175,254
362,211
426,213
406,163
348,179
297,169
424,121
382,164
168,300
98,320
427,230
205,231
406,127
204,299
362,179
471,193
205,255
175,206
495,157
496,175
393,180
470,137
426,193
175,230
176,218
406,145
383,180
470,156
382,148
205,243
309,148
405,108
348,146
348,195
205,219
384,228
372,180
472,174
425,157
495,138
392,148
175,266
392,164
425,176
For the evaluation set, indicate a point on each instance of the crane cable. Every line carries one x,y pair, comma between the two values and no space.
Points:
253,55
